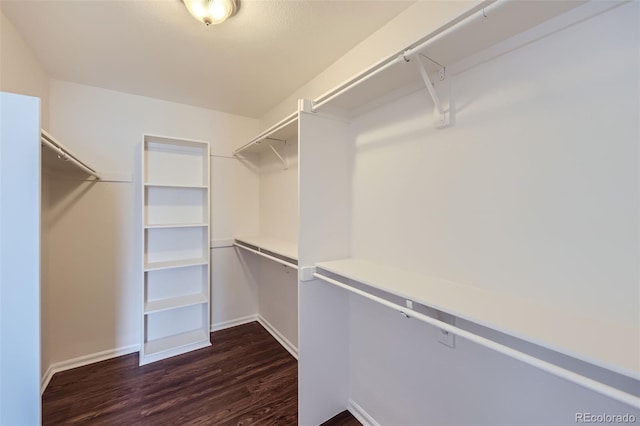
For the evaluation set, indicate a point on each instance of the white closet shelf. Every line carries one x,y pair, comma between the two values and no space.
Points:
276,135
153,306
176,225
57,157
399,74
164,185
154,266
179,343
283,252
570,333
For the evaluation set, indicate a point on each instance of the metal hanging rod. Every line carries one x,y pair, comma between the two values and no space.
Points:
268,256
477,13
265,135
50,142
548,367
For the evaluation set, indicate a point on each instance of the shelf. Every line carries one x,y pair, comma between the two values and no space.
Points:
177,225
174,302
58,158
280,251
569,333
463,37
154,266
184,341
285,130
164,185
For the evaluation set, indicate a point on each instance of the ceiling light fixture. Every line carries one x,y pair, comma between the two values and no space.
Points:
211,11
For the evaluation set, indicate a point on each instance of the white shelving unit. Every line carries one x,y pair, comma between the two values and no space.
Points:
390,201
175,227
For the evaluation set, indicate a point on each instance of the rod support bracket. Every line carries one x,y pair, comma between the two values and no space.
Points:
280,157
442,113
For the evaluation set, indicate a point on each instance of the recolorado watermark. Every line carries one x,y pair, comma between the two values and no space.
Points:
605,418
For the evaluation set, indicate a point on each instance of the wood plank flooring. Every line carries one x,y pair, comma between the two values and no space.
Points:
244,378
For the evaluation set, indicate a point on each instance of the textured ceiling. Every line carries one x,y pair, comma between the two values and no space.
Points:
245,66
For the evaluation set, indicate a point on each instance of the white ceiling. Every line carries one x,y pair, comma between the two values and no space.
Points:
244,66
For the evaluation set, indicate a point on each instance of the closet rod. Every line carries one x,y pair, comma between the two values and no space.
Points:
477,13
548,367
275,259
262,136
51,143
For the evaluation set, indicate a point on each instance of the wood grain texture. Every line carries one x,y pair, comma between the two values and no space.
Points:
244,378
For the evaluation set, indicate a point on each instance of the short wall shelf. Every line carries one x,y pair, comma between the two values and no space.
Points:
283,252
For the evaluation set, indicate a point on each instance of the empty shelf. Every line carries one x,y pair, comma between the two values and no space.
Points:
163,185
178,341
176,225
174,302
570,333
152,266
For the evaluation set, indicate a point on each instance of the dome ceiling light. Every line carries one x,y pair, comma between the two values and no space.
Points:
211,11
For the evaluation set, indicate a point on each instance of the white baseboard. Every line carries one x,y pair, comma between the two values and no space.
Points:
234,322
81,361
360,414
290,347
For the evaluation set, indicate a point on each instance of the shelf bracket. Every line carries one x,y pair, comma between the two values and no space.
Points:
442,116
275,151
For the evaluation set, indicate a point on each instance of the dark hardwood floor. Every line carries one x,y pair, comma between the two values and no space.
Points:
244,378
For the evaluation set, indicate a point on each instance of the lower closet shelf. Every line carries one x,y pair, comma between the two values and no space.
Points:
282,252
177,344
174,302
154,266
570,333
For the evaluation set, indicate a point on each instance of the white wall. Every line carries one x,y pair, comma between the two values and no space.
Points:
278,285
533,192
20,70
415,22
93,285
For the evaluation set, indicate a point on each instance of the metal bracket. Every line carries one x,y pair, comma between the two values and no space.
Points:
275,151
442,116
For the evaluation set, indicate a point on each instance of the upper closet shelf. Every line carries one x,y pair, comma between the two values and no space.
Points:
273,139
478,29
568,332
283,252
57,157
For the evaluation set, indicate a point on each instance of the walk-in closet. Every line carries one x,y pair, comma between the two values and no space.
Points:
379,213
